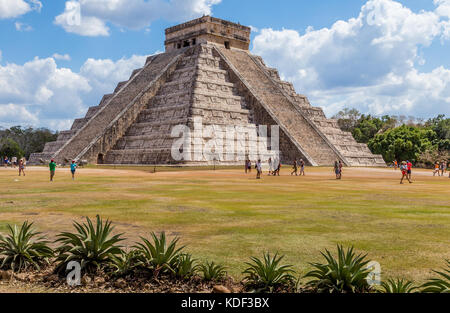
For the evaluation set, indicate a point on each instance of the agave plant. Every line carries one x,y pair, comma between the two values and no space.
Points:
440,283
268,273
398,286
212,271
92,246
124,263
185,266
157,255
23,248
346,274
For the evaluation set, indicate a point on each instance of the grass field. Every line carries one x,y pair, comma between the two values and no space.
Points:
227,216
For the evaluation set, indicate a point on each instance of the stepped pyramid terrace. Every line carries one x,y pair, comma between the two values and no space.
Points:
206,75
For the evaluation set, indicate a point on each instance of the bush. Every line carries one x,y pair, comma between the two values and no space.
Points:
267,274
157,256
346,274
124,263
398,286
212,271
185,266
22,248
440,283
92,246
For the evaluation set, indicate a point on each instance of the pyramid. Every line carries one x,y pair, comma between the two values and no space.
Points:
207,74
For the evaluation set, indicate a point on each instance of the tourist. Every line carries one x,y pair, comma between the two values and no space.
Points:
73,168
295,168
249,166
340,169
52,166
246,166
5,161
336,169
21,167
443,167
436,169
270,166
278,168
409,166
14,161
404,169
258,169
395,164
302,167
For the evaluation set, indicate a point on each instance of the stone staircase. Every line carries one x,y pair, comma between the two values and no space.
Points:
357,154
88,139
303,133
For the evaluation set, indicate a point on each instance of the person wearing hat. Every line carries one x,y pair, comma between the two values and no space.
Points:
52,166
404,169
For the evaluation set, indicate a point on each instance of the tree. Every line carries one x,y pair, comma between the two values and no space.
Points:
441,126
10,148
403,143
30,140
348,119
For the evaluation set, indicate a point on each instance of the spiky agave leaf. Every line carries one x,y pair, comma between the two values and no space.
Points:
212,271
268,273
23,247
440,283
124,263
347,273
185,266
91,246
398,286
157,255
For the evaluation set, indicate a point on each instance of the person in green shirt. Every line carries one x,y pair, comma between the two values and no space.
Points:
52,166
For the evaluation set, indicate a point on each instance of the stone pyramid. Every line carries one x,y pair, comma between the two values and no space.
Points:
206,73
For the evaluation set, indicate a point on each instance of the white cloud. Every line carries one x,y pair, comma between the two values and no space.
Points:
368,62
90,17
39,93
21,27
15,8
63,57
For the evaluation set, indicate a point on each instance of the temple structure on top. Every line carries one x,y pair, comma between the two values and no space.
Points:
206,73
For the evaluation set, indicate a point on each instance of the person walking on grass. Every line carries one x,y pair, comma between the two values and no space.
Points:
295,168
302,167
73,168
336,169
52,166
258,169
409,167
21,167
5,161
14,162
270,166
443,167
340,169
404,169
436,169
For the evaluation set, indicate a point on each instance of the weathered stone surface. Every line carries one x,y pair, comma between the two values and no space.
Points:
224,86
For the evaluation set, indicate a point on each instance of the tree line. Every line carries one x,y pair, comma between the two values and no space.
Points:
423,142
22,142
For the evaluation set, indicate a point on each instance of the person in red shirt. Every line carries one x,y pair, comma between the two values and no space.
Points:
409,167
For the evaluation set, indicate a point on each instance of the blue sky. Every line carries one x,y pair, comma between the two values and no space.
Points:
380,56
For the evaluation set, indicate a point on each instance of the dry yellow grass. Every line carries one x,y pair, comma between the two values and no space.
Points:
227,216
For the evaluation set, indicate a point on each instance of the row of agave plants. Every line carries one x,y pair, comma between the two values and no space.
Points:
98,250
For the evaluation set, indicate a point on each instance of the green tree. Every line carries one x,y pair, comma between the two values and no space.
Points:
10,148
403,143
348,119
441,126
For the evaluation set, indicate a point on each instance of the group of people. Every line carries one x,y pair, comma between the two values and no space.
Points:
338,165
52,166
440,168
275,167
406,168
15,162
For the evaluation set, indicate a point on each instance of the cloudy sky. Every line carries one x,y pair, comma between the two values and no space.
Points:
379,56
